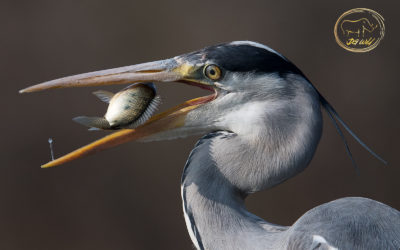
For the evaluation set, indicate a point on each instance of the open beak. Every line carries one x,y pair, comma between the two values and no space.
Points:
170,70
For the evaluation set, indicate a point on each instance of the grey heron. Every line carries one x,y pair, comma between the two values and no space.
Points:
262,124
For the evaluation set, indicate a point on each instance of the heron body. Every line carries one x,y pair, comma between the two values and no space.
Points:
262,123
216,216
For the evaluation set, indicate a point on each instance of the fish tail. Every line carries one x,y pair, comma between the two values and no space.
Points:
94,123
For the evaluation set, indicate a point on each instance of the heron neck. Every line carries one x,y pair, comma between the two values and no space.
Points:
214,209
273,140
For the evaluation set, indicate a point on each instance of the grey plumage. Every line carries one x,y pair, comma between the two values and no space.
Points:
262,123
276,125
217,218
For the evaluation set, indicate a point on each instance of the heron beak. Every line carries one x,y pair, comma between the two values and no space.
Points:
161,71
170,70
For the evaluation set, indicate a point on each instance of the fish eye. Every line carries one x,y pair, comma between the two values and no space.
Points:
213,72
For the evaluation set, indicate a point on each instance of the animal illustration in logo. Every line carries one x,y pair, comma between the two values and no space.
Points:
359,30
358,27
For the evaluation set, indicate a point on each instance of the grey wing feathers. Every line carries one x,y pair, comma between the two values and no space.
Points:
347,223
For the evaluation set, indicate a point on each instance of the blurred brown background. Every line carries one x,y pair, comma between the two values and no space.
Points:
129,197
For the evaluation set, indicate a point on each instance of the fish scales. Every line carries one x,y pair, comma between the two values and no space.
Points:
128,108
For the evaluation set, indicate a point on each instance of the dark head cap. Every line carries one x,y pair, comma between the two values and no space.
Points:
244,56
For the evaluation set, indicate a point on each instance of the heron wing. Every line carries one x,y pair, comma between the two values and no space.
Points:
347,223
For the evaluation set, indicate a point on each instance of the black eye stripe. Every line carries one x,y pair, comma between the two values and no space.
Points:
244,58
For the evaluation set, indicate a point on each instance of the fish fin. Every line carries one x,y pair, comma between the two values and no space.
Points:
148,84
103,95
94,129
151,85
335,116
147,113
92,122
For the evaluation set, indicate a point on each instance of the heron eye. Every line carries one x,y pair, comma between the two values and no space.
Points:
213,72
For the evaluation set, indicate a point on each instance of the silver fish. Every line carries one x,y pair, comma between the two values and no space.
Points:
128,108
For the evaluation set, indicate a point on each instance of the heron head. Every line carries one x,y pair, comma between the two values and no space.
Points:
236,73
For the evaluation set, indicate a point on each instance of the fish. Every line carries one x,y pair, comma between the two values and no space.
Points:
127,109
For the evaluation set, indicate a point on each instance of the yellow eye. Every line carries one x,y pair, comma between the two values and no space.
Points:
213,72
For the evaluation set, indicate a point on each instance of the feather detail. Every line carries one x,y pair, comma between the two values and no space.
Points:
335,116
